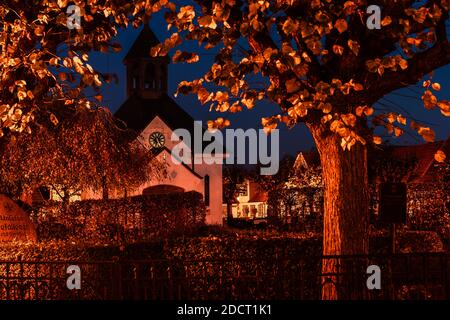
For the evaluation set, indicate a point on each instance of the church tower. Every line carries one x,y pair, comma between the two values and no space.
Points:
153,115
146,76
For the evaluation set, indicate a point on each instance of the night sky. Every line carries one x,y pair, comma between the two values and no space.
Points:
293,140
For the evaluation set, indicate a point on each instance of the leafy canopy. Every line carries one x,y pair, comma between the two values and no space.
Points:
318,61
86,150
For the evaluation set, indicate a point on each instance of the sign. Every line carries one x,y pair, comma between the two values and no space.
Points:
15,225
393,202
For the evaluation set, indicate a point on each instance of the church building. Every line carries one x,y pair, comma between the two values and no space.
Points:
154,115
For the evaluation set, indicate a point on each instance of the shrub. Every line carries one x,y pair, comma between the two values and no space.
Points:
52,230
207,263
127,219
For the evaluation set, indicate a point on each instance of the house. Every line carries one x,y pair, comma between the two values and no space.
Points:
150,112
426,168
428,182
251,203
306,160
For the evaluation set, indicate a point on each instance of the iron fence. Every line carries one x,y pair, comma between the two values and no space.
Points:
403,276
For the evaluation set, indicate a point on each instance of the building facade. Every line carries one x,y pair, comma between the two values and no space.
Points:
251,203
154,116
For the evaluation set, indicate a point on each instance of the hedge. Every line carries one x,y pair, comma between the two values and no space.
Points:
207,243
127,219
208,263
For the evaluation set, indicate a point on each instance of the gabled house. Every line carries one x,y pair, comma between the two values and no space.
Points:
426,168
306,160
425,178
251,202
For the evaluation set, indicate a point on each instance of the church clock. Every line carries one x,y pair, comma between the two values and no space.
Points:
157,140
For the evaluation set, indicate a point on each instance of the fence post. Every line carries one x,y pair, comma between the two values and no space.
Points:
20,283
117,293
445,264
170,280
279,275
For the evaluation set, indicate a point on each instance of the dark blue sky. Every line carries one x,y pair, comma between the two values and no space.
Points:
293,140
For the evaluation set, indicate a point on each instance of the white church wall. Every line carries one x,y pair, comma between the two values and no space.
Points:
177,175
157,124
214,171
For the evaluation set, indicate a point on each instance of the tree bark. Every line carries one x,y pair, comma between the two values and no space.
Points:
346,211
229,213
105,191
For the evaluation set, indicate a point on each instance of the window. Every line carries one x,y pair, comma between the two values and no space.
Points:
245,211
206,180
150,82
253,211
45,193
242,189
135,77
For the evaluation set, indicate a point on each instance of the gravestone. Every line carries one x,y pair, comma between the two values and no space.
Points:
15,225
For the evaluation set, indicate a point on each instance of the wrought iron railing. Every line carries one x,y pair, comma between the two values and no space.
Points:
403,276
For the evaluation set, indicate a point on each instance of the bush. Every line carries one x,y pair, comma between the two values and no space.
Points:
52,230
211,242
406,242
127,219
207,263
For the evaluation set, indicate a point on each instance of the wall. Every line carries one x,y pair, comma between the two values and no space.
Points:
214,215
178,175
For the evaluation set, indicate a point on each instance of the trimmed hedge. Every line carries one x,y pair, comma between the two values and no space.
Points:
206,264
208,243
127,219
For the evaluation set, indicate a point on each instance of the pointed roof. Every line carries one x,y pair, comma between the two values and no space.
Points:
424,155
142,45
138,112
307,159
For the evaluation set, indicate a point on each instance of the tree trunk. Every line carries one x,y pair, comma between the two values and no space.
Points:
66,196
229,213
105,193
346,212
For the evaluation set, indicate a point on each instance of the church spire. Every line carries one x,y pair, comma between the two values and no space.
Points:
146,76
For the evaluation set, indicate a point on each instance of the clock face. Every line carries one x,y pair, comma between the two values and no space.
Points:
157,140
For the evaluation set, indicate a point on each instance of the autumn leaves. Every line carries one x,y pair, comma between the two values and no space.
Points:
431,102
317,60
